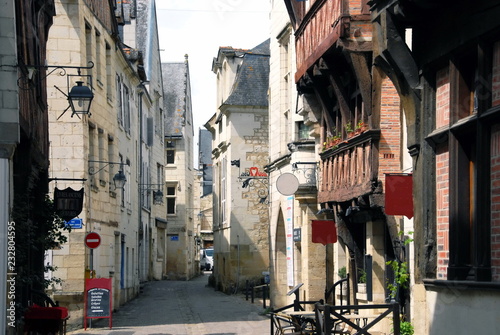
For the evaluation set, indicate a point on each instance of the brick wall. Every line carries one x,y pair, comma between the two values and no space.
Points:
495,202
442,173
495,170
442,210
390,126
442,98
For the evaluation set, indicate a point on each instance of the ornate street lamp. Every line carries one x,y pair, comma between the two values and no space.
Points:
119,178
157,193
80,97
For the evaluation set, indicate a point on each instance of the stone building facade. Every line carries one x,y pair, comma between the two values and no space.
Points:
179,172
118,136
239,153
292,160
205,173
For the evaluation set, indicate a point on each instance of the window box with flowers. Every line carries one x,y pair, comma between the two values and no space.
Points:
332,142
361,127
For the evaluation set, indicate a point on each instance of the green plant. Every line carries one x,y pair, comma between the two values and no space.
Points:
342,272
360,125
401,277
362,276
41,229
348,127
406,328
401,274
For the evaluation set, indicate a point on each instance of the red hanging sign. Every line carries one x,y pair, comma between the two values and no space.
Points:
399,194
324,231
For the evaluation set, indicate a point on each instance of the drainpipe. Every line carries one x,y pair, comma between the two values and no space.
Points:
139,211
238,268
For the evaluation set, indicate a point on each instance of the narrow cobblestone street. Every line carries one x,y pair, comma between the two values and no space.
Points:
184,308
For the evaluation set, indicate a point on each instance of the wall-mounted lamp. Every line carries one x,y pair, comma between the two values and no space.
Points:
157,194
79,96
119,178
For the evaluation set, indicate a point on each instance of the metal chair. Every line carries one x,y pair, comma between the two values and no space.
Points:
285,324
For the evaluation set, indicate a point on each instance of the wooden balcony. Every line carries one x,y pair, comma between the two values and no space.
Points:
321,27
318,31
349,169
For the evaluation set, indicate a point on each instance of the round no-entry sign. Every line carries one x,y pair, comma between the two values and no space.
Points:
92,240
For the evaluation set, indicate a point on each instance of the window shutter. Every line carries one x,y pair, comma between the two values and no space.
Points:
150,131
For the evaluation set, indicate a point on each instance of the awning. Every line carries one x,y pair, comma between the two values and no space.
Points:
399,194
324,231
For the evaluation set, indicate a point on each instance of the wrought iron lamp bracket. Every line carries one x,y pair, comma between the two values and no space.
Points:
308,169
63,71
258,184
94,170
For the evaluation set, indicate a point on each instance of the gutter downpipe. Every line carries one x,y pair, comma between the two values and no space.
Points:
238,271
139,211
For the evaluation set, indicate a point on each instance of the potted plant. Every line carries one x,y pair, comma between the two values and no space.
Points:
361,281
361,127
348,129
331,142
342,272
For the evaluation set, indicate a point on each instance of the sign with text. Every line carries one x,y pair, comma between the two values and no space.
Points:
68,202
98,299
75,223
253,172
297,234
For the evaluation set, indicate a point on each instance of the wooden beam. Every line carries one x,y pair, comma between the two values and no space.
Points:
363,77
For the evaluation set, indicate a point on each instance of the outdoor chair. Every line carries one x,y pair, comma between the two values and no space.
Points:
285,324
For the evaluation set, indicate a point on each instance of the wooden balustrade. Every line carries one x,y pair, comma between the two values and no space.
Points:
348,170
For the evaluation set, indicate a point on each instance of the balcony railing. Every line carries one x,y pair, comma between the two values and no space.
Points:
349,169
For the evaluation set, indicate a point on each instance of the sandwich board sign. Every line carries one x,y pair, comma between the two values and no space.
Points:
98,300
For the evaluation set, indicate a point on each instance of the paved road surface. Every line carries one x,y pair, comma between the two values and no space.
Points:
184,308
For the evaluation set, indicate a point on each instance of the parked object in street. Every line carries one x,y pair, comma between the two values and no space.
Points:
207,259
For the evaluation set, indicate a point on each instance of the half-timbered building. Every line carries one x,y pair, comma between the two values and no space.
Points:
448,82
360,141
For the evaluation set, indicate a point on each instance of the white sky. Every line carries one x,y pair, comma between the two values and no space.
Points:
198,28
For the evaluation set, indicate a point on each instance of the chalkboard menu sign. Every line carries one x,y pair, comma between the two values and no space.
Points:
98,299
97,302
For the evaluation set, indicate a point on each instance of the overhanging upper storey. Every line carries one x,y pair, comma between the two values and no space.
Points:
322,24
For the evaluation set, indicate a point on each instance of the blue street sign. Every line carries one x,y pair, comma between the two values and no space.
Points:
75,223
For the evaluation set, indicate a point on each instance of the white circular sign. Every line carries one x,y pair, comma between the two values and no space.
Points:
287,184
